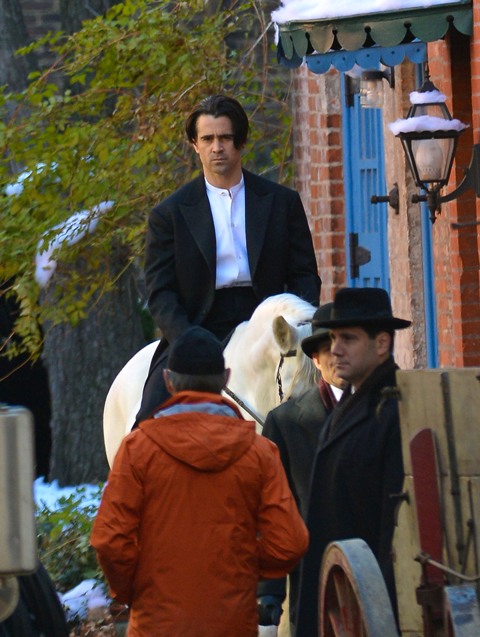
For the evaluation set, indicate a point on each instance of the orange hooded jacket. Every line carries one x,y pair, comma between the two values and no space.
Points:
197,508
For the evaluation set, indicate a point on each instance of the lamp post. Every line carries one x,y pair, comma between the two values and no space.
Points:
429,137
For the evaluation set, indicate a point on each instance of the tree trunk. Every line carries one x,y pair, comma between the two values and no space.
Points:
82,362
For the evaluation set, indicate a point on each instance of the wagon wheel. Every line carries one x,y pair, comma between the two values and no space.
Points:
39,612
462,613
9,596
353,598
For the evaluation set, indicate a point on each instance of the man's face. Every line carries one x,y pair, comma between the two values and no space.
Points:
356,355
323,361
221,161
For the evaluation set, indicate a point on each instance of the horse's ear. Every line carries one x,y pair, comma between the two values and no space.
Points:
284,333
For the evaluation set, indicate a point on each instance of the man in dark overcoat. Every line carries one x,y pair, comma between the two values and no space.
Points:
294,427
358,464
222,243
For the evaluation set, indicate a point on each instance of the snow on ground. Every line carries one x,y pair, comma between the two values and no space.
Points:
47,494
80,601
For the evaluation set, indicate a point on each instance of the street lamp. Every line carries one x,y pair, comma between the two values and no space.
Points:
371,86
429,136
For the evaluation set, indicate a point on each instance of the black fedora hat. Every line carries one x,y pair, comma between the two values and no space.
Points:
310,344
363,306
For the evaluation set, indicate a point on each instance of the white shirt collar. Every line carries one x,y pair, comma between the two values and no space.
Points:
232,191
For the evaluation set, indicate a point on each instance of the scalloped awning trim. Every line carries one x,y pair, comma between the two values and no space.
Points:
387,29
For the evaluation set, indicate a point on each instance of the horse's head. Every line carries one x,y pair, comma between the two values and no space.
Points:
267,363
295,371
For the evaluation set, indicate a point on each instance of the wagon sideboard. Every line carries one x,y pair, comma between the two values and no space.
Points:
447,402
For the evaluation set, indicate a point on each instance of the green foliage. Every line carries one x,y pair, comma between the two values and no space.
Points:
64,539
105,123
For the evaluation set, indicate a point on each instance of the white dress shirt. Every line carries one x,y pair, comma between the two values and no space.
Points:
228,211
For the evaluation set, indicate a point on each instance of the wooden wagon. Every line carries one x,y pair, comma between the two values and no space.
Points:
437,538
29,604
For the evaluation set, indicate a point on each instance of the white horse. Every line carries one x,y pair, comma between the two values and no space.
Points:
267,366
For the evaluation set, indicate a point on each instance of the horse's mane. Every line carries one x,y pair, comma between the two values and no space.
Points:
256,334
287,305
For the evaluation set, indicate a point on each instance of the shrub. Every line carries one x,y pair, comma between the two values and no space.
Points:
64,538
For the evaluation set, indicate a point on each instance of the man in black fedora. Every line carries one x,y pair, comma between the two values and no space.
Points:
294,427
358,463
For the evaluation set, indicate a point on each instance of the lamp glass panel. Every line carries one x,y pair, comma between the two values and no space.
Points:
432,109
371,93
433,158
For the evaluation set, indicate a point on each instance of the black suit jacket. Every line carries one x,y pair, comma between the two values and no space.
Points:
180,264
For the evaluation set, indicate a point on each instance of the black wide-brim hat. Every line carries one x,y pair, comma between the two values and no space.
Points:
320,335
363,307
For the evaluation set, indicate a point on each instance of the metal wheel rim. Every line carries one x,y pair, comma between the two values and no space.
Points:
353,598
9,596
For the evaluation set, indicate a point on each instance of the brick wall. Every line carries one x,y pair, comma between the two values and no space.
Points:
319,171
455,69
404,231
456,250
41,16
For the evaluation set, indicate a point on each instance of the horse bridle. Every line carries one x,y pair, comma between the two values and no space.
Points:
278,379
278,376
283,356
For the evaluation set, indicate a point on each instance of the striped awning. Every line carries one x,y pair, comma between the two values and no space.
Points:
347,39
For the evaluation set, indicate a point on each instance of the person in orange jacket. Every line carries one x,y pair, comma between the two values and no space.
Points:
197,508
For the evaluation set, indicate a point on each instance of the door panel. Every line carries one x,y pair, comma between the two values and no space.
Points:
364,175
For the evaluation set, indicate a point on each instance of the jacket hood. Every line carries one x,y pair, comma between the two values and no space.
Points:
202,430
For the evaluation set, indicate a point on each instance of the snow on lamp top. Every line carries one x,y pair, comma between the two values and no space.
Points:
424,123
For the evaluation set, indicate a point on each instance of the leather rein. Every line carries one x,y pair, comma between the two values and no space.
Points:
278,376
278,380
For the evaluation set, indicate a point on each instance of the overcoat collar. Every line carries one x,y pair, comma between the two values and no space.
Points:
310,408
258,208
355,409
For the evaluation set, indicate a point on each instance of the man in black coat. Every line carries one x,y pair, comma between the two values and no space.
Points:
224,242
294,427
358,463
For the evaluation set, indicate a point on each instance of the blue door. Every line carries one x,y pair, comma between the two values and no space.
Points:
364,176
366,223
